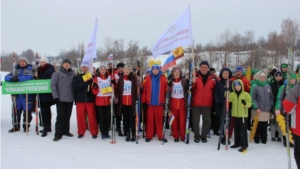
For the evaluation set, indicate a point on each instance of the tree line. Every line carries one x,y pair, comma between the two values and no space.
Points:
231,49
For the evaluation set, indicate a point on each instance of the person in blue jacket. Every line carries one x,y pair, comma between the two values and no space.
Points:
23,72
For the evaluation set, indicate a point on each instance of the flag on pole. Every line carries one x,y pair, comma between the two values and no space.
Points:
171,118
178,34
170,62
178,53
110,57
90,52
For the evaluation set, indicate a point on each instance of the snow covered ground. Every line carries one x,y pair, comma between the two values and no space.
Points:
34,152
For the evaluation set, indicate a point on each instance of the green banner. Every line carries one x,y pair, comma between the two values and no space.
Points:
27,87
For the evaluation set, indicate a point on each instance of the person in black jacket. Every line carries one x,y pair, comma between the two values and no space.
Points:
85,102
219,97
45,71
275,85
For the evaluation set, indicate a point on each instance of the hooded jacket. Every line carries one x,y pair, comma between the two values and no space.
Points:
219,91
238,109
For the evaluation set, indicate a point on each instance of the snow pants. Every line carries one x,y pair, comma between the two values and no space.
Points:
82,110
178,125
62,125
154,121
104,118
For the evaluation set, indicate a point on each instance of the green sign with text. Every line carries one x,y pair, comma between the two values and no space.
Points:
27,87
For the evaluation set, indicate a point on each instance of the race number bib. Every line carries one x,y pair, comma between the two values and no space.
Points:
177,91
127,88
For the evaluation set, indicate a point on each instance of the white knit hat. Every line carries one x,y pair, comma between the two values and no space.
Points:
128,67
103,66
44,59
85,64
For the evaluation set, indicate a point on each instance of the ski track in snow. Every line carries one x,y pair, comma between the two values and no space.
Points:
34,152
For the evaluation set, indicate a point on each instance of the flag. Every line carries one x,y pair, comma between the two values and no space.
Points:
170,61
90,52
178,53
178,34
171,118
248,74
110,57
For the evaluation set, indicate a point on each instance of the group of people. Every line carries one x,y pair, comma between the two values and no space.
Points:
264,95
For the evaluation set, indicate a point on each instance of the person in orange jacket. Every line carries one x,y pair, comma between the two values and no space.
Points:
178,91
154,94
101,81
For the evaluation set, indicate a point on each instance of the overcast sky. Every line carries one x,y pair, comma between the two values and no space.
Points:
47,26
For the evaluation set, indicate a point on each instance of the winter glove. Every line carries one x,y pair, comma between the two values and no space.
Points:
14,79
56,101
95,86
244,102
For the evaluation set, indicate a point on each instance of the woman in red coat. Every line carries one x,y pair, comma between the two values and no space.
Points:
101,81
179,87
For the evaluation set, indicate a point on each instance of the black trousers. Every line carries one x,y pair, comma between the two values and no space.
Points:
261,131
240,132
46,114
64,111
104,118
214,122
297,150
118,117
128,119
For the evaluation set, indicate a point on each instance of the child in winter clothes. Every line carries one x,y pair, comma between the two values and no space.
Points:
241,101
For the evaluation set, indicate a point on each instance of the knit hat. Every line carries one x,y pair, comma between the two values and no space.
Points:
237,83
110,61
148,71
204,63
103,66
284,65
66,61
128,67
44,59
278,74
239,68
120,65
273,72
177,68
23,58
84,64
212,69
293,76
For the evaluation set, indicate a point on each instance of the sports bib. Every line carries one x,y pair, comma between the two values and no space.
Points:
105,89
177,91
127,88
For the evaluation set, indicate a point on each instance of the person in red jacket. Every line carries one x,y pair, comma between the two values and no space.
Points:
102,81
290,105
178,91
154,94
125,97
202,100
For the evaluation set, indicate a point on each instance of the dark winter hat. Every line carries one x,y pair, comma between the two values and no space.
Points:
284,65
278,74
66,61
273,72
177,68
120,65
239,68
204,63
212,69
